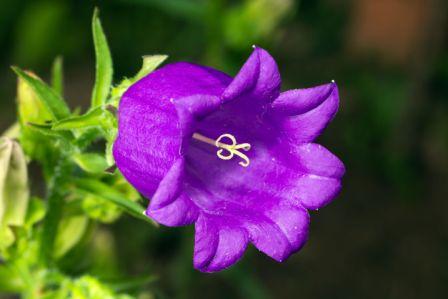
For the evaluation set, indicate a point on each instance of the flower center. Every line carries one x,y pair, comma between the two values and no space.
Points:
227,151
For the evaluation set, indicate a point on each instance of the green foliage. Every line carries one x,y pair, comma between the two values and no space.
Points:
94,117
150,63
104,72
91,162
37,236
70,231
103,191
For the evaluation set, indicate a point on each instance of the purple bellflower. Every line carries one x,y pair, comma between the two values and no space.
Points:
234,156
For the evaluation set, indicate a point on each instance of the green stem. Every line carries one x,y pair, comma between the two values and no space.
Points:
55,204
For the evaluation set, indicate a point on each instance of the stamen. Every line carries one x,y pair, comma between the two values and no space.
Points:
232,149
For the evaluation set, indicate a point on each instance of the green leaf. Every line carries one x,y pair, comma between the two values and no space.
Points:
57,76
104,71
150,63
90,186
52,101
90,162
90,119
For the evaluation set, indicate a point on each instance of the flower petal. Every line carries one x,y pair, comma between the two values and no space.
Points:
190,110
149,131
280,232
258,79
299,101
305,127
316,159
256,197
293,222
218,244
170,187
314,192
180,212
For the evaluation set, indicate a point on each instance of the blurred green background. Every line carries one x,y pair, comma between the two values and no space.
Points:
386,236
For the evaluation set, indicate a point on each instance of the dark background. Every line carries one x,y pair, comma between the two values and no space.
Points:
385,236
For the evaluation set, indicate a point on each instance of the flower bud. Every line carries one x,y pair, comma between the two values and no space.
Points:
31,108
14,192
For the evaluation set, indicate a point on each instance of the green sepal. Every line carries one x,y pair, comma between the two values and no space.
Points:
47,130
91,119
84,126
150,63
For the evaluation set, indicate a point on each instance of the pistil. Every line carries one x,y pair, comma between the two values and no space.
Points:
231,149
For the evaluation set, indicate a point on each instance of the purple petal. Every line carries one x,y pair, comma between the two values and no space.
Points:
190,110
218,245
293,222
316,159
258,79
269,239
149,132
299,101
180,212
255,197
282,231
314,192
170,187
305,127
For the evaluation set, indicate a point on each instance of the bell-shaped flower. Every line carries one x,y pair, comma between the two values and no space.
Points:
234,156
